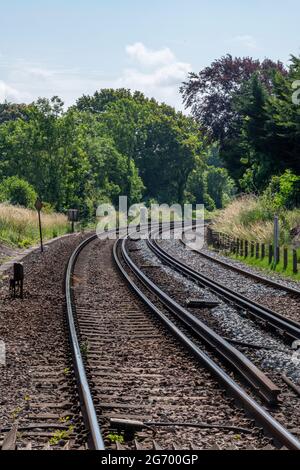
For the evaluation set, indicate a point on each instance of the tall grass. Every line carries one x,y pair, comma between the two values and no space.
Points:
19,226
250,218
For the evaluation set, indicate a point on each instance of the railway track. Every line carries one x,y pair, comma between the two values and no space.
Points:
122,395
39,404
286,326
233,267
144,386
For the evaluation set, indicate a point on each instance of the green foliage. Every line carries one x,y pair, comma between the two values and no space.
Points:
248,107
283,191
112,437
220,186
210,186
15,190
163,144
110,144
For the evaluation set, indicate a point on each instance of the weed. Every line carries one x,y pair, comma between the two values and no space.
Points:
84,347
67,371
64,420
16,413
115,438
61,435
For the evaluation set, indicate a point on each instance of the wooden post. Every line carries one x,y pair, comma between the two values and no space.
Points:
252,249
285,258
263,251
246,249
209,236
278,254
270,254
242,248
237,246
276,240
257,251
295,262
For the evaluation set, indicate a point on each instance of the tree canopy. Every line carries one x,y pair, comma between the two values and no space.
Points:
247,108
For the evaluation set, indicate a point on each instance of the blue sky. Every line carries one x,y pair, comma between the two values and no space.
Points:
71,47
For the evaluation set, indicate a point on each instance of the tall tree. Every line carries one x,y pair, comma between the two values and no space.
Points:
210,93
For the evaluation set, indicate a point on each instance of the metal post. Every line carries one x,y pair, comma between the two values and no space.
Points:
41,235
38,206
276,240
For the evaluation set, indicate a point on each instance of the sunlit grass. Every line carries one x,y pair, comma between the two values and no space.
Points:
263,265
19,226
247,218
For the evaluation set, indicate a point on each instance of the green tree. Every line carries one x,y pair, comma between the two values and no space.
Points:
17,191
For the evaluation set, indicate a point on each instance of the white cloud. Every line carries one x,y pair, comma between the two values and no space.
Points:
147,57
246,40
164,79
9,93
157,73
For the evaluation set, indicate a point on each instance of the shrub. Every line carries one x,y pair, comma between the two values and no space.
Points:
18,192
283,191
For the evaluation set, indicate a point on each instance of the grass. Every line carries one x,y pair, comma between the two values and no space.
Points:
19,226
264,265
250,218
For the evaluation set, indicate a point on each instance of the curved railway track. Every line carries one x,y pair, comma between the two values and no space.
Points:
239,270
286,326
95,378
155,387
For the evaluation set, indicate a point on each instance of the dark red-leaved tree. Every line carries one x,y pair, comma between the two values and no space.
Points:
209,93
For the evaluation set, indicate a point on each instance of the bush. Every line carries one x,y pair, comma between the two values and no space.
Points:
17,191
283,191
209,186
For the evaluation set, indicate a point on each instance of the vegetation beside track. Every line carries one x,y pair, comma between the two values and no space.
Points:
19,226
252,218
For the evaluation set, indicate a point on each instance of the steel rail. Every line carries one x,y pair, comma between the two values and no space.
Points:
272,427
262,279
95,439
288,327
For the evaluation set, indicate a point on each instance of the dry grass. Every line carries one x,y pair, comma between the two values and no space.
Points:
19,226
249,218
